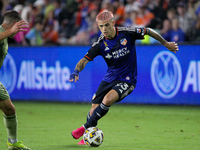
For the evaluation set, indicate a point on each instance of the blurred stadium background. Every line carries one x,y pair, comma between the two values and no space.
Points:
37,68
72,22
40,61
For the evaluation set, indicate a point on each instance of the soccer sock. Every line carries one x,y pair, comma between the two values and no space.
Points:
88,116
98,113
11,126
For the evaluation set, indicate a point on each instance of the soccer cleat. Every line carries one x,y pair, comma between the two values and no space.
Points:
17,146
81,142
78,132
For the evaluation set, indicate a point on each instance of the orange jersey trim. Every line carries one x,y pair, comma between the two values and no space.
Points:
88,58
145,31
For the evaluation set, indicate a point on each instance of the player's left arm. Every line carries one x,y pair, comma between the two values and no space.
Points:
79,67
81,64
172,46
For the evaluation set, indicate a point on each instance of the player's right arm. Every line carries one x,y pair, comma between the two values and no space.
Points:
17,27
79,67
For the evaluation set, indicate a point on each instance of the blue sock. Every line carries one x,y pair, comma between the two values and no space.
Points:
98,113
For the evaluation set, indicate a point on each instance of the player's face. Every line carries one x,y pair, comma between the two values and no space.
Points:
107,28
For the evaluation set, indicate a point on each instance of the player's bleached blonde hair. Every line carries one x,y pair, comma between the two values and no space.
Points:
104,16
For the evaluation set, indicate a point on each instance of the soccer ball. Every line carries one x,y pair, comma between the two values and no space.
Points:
93,137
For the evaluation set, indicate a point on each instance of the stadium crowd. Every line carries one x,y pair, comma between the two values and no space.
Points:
72,22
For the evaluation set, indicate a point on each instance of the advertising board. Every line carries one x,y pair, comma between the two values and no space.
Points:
42,74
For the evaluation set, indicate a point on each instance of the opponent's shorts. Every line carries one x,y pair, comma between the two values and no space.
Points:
3,93
121,87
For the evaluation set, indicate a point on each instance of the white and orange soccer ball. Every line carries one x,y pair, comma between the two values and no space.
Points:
93,137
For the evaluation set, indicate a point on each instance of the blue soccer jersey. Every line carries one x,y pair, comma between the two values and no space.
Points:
119,54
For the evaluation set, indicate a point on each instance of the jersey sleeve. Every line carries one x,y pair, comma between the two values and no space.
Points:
93,51
138,32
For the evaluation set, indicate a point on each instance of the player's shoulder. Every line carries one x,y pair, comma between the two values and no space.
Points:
99,40
133,30
126,29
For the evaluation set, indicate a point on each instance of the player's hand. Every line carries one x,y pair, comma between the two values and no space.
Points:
172,46
19,26
74,76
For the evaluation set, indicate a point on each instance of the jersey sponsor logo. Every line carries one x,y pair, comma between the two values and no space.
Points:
8,73
123,41
105,43
120,53
107,48
166,74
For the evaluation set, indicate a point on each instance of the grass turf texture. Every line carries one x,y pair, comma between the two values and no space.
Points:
48,126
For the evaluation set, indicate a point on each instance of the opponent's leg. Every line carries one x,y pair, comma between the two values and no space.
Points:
10,121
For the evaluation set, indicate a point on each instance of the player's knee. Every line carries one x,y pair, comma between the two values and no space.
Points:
94,106
9,110
108,100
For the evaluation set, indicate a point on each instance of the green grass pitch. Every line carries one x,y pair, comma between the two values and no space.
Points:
48,126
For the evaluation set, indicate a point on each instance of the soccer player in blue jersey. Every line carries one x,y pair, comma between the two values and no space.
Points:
117,46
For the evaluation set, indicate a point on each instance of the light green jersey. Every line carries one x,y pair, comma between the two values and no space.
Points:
3,51
3,47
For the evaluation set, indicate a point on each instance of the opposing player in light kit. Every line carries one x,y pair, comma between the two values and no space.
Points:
12,24
117,46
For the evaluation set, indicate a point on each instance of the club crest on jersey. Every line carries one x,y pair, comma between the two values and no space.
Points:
105,43
138,30
123,41
141,31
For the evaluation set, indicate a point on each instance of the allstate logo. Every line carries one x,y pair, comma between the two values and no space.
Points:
166,74
8,73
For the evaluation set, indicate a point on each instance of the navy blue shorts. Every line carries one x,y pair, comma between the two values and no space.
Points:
121,87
